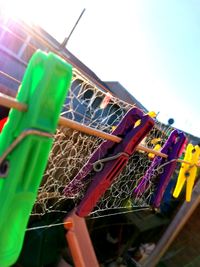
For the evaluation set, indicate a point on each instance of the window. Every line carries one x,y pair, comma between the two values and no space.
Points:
11,42
76,85
113,112
88,95
27,54
96,103
17,31
38,44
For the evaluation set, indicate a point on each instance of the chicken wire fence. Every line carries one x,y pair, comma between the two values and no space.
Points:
90,106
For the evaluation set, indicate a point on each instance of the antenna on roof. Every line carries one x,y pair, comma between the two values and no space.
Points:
64,43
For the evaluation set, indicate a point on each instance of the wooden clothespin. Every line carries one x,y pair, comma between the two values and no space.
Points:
188,171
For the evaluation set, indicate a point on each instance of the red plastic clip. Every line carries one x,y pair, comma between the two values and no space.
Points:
2,122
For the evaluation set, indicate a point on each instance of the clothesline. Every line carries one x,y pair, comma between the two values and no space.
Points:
11,102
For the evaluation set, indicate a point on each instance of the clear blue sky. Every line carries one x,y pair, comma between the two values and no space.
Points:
152,47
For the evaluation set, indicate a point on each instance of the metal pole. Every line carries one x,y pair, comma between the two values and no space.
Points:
64,43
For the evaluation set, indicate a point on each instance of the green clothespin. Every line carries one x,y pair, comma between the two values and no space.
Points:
25,143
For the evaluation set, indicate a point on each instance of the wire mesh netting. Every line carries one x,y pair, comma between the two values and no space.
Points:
90,106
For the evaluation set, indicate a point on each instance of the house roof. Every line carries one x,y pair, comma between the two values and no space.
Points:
112,86
121,92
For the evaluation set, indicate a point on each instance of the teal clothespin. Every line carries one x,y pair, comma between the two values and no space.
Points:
25,143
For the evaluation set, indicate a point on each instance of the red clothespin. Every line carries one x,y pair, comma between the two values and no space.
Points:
109,159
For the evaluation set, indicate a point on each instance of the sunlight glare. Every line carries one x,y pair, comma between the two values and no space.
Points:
56,18
25,10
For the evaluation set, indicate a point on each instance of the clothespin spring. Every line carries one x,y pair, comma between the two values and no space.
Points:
166,163
99,164
4,165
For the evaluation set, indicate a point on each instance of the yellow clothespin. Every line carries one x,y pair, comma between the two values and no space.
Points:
157,147
188,171
113,128
152,114
155,141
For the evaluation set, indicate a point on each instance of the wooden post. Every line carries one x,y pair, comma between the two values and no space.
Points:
174,228
79,242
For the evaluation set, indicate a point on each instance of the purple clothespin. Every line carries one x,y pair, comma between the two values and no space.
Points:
109,159
173,148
